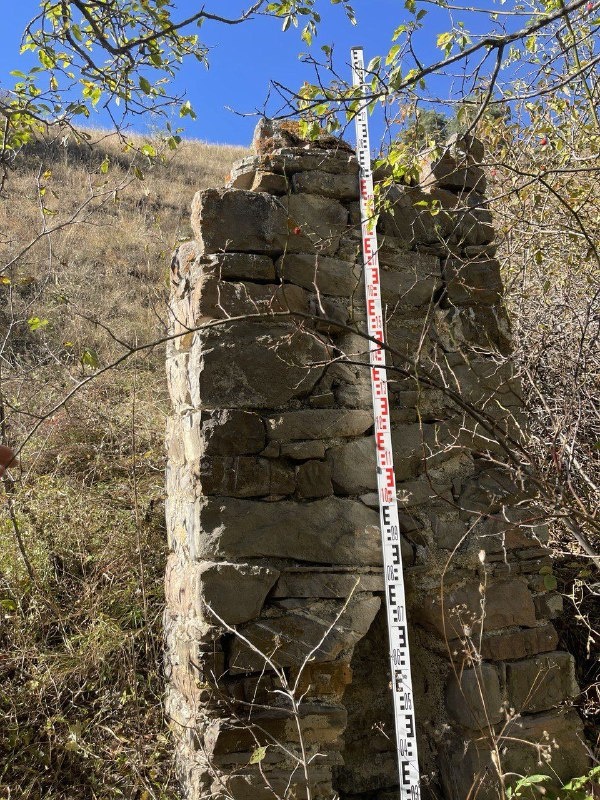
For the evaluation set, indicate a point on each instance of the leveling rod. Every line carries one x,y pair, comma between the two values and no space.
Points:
402,691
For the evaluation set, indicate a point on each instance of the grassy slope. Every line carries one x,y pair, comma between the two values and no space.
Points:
80,681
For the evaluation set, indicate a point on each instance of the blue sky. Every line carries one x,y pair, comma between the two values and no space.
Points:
246,57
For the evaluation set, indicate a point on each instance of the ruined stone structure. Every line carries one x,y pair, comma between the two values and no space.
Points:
276,637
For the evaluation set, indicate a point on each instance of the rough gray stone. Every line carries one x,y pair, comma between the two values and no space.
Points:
568,759
512,645
313,479
466,147
507,603
318,724
353,466
423,491
449,530
329,531
541,683
326,584
215,299
329,276
237,220
241,175
254,787
254,365
341,187
454,224
468,764
474,699
415,447
269,182
235,592
450,172
288,161
229,432
302,451
245,476
315,223
320,423
468,328
407,278
240,266
548,606
471,282
291,637
412,279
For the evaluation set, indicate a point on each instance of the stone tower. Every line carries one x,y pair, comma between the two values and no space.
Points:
276,637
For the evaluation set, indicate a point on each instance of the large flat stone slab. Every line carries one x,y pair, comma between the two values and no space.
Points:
252,364
226,220
333,530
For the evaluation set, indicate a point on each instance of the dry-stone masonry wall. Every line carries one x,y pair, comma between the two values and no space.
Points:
276,636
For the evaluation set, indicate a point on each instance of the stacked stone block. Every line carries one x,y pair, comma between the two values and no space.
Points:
276,640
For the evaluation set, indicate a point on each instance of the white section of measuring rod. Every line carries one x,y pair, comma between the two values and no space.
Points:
402,691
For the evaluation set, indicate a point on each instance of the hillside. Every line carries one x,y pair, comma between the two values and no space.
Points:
87,235
83,544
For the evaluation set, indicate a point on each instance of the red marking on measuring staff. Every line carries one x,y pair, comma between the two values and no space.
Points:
401,680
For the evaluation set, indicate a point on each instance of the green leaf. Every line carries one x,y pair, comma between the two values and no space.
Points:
444,41
392,54
550,582
89,358
186,110
35,323
145,86
531,44
306,36
148,150
104,165
258,755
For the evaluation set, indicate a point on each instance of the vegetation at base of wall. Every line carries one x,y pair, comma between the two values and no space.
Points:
81,680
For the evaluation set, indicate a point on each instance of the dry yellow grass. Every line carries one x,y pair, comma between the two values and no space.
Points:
81,636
